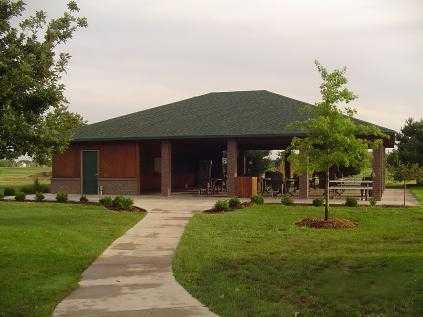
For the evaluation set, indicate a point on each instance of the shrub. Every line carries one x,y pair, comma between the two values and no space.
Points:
20,196
39,196
221,205
122,203
36,187
9,191
318,202
61,197
351,202
372,201
287,200
234,203
28,189
257,200
83,199
106,201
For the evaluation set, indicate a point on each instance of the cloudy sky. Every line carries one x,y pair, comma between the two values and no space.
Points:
138,54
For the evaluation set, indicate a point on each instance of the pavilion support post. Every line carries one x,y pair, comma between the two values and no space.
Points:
232,167
303,182
378,172
166,168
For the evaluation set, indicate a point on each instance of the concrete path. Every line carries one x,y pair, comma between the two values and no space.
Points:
133,277
391,197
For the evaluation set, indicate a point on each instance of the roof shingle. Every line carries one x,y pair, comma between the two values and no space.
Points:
219,114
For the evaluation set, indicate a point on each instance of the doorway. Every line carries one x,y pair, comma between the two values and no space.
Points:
90,172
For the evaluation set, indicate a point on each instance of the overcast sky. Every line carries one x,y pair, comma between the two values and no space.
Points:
138,54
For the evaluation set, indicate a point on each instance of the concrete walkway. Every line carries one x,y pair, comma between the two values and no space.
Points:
391,197
133,277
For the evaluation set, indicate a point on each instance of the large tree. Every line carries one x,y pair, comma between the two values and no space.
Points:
410,143
333,137
34,118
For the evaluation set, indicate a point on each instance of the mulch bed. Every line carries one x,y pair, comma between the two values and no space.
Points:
319,223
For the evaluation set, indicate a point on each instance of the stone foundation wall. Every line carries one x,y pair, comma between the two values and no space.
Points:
67,185
119,186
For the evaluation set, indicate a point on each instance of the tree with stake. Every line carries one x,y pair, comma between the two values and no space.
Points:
332,136
403,171
34,118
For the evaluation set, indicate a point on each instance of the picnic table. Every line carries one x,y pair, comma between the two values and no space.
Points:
339,186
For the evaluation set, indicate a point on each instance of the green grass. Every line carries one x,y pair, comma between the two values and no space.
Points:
17,177
418,192
44,248
256,262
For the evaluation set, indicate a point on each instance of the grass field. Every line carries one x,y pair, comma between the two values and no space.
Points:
44,247
17,177
257,262
418,192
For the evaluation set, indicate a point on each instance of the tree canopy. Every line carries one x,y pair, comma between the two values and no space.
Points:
34,118
410,142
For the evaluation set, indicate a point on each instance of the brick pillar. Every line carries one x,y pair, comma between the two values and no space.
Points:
232,167
378,172
303,182
166,168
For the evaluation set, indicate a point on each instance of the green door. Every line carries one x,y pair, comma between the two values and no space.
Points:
89,172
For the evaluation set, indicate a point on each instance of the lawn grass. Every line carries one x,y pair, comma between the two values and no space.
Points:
418,192
44,248
17,177
257,262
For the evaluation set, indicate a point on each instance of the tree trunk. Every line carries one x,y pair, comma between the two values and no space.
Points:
327,195
405,188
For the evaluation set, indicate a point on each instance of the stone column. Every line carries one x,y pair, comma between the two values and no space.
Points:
166,168
378,172
232,167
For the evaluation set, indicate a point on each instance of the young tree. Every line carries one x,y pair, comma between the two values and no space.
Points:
34,119
403,171
332,136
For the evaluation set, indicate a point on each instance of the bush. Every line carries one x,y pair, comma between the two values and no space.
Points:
318,202
61,197
372,201
122,203
83,199
39,196
28,189
20,196
36,187
234,203
9,191
106,201
351,202
257,200
221,205
287,200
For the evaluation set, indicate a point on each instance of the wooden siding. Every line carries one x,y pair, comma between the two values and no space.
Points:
245,187
68,163
116,160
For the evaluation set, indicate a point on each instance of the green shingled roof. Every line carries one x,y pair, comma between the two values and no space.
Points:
218,114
